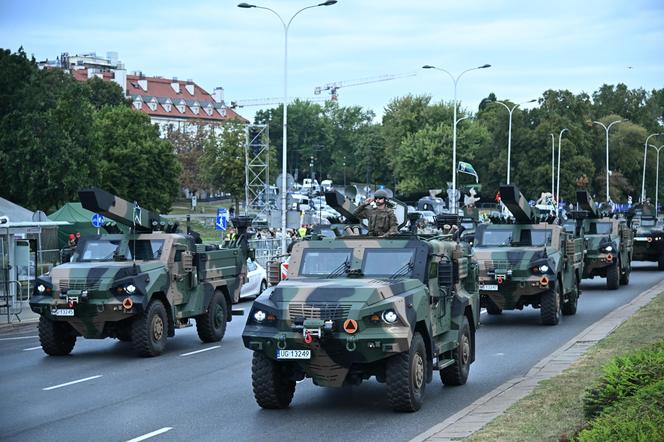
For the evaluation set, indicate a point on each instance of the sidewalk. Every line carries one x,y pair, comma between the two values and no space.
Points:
485,409
24,318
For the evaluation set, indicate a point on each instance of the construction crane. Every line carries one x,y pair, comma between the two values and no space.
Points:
269,101
334,87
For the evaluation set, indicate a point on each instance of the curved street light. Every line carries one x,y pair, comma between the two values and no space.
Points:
284,155
455,80
607,128
657,149
509,133
645,154
560,138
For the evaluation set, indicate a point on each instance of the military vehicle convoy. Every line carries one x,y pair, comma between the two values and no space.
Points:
138,286
353,307
648,234
527,260
608,244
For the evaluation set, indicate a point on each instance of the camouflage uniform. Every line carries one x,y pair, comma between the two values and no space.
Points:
382,221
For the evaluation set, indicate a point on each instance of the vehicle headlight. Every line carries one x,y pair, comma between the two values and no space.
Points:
389,316
41,288
259,316
130,288
544,268
608,248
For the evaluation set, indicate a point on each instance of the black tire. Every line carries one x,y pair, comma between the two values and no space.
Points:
149,330
457,373
569,308
550,309
492,308
660,262
211,325
624,278
263,287
56,338
406,376
272,382
613,276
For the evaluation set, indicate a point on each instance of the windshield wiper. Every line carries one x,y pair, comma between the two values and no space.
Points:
403,270
340,270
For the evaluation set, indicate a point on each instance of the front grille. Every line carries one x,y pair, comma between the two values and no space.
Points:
79,284
493,264
297,311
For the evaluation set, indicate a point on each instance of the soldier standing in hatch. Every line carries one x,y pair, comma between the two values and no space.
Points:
382,220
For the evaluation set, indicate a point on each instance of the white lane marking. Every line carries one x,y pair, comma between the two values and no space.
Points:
18,337
32,348
200,351
72,382
483,311
149,435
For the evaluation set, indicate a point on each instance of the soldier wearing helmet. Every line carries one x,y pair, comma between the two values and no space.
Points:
382,220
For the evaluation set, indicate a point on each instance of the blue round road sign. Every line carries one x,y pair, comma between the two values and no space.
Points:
97,220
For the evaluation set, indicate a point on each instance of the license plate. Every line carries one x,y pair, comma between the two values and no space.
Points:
489,287
63,312
640,238
293,354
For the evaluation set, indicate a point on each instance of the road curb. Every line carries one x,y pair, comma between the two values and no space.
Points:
491,405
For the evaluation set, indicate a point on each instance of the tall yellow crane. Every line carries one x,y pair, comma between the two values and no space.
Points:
335,86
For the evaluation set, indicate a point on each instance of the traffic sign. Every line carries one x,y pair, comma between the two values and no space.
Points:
221,223
97,220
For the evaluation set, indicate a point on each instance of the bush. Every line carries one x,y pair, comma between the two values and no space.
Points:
623,377
636,418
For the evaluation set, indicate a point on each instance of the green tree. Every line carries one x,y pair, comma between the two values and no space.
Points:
188,146
223,160
136,164
105,93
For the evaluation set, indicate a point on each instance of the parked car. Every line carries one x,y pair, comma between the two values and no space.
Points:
256,280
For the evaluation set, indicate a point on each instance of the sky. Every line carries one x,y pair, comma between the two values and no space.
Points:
532,46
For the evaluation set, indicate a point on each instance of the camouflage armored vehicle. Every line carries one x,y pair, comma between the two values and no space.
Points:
648,234
139,286
608,244
528,261
354,307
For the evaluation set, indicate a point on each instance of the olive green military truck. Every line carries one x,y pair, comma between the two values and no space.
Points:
648,234
356,306
528,260
609,243
138,286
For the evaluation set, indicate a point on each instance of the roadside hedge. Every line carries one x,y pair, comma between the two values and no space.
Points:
624,376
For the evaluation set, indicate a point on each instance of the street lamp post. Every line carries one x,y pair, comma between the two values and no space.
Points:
607,128
553,164
560,139
344,172
454,124
645,154
284,171
509,133
657,149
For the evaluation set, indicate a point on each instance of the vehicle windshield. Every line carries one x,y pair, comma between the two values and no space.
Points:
387,262
647,223
569,227
99,250
468,225
146,249
494,238
114,250
600,228
322,262
540,238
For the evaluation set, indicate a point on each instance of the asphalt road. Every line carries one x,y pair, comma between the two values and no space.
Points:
103,392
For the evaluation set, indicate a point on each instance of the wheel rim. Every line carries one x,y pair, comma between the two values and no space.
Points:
418,371
465,349
157,328
218,317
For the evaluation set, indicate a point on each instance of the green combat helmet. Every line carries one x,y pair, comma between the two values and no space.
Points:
648,234
139,286
609,243
527,261
354,307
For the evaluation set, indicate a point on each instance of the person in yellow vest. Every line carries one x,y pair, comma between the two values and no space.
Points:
302,231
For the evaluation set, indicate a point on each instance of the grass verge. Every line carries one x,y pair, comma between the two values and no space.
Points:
554,410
